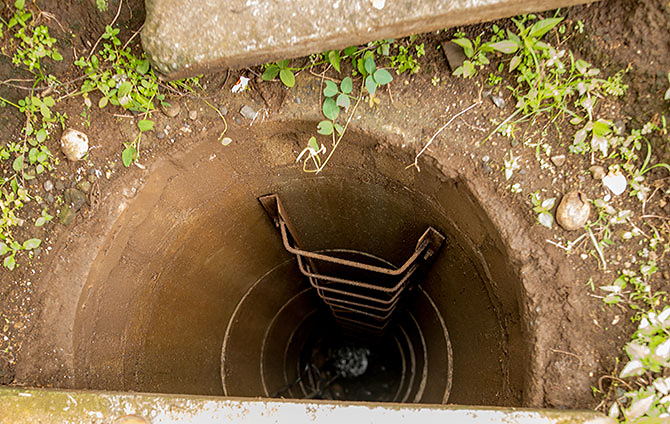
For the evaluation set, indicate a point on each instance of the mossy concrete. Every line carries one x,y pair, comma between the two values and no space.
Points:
188,37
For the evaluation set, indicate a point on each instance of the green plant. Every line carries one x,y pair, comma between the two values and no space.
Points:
101,5
543,209
281,68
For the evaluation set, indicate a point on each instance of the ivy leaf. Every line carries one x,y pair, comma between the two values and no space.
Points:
343,101
347,85
330,89
382,76
270,73
128,156
334,59
31,244
330,109
325,128
41,135
145,125
287,77
505,46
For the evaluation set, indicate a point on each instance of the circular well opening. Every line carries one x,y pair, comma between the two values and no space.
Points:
193,291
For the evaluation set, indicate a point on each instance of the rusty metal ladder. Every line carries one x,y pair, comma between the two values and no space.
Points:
361,296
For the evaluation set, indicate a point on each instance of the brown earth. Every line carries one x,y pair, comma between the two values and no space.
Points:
576,338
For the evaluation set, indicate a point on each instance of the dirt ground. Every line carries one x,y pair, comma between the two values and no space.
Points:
617,34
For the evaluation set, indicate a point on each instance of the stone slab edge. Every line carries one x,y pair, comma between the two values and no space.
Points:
47,406
189,37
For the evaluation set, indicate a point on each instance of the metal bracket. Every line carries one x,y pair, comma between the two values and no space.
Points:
367,302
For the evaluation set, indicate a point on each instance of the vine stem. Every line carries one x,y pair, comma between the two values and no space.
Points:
427,145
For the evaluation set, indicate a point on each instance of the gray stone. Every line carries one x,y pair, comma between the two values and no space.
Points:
558,160
188,37
171,109
48,185
193,115
454,54
75,198
59,185
84,186
248,112
66,215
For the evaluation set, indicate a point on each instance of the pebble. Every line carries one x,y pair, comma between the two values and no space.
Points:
498,101
454,54
615,182
573,211
84,186
160,135
193,115
50,198
558,160
48,185
59,186
248,112
597,171
297,100
171,109
66,215
74,144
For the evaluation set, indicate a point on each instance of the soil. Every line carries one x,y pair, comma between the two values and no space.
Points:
583,334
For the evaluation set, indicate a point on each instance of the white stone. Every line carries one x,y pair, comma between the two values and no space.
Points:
74,144
615,182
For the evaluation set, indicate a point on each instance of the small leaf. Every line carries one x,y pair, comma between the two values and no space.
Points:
325,128
334,59
4,248
124,89
382,77
128,156
41,135
548,204
330,109
31,244
270,73
17,165
39,222
145,125
103,102
330,89
466,45
312,144
667,95
514,63
546,219
347,85
142,67
9,262
370,85
339,128
544,26
20,4
370,65
505,46
343,101
287,77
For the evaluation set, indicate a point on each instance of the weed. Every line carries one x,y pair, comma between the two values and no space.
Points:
543,209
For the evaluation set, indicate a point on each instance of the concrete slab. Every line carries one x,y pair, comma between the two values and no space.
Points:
21,406
188,37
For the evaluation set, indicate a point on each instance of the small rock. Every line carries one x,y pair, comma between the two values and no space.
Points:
248,112
131,419
66,215
615,182
297,100
160,135
50,198
171,110
573,211
59,186
193,115
558,160
84,186
498,101
597,171
48,185
454,54
223,110
74,144
75,198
